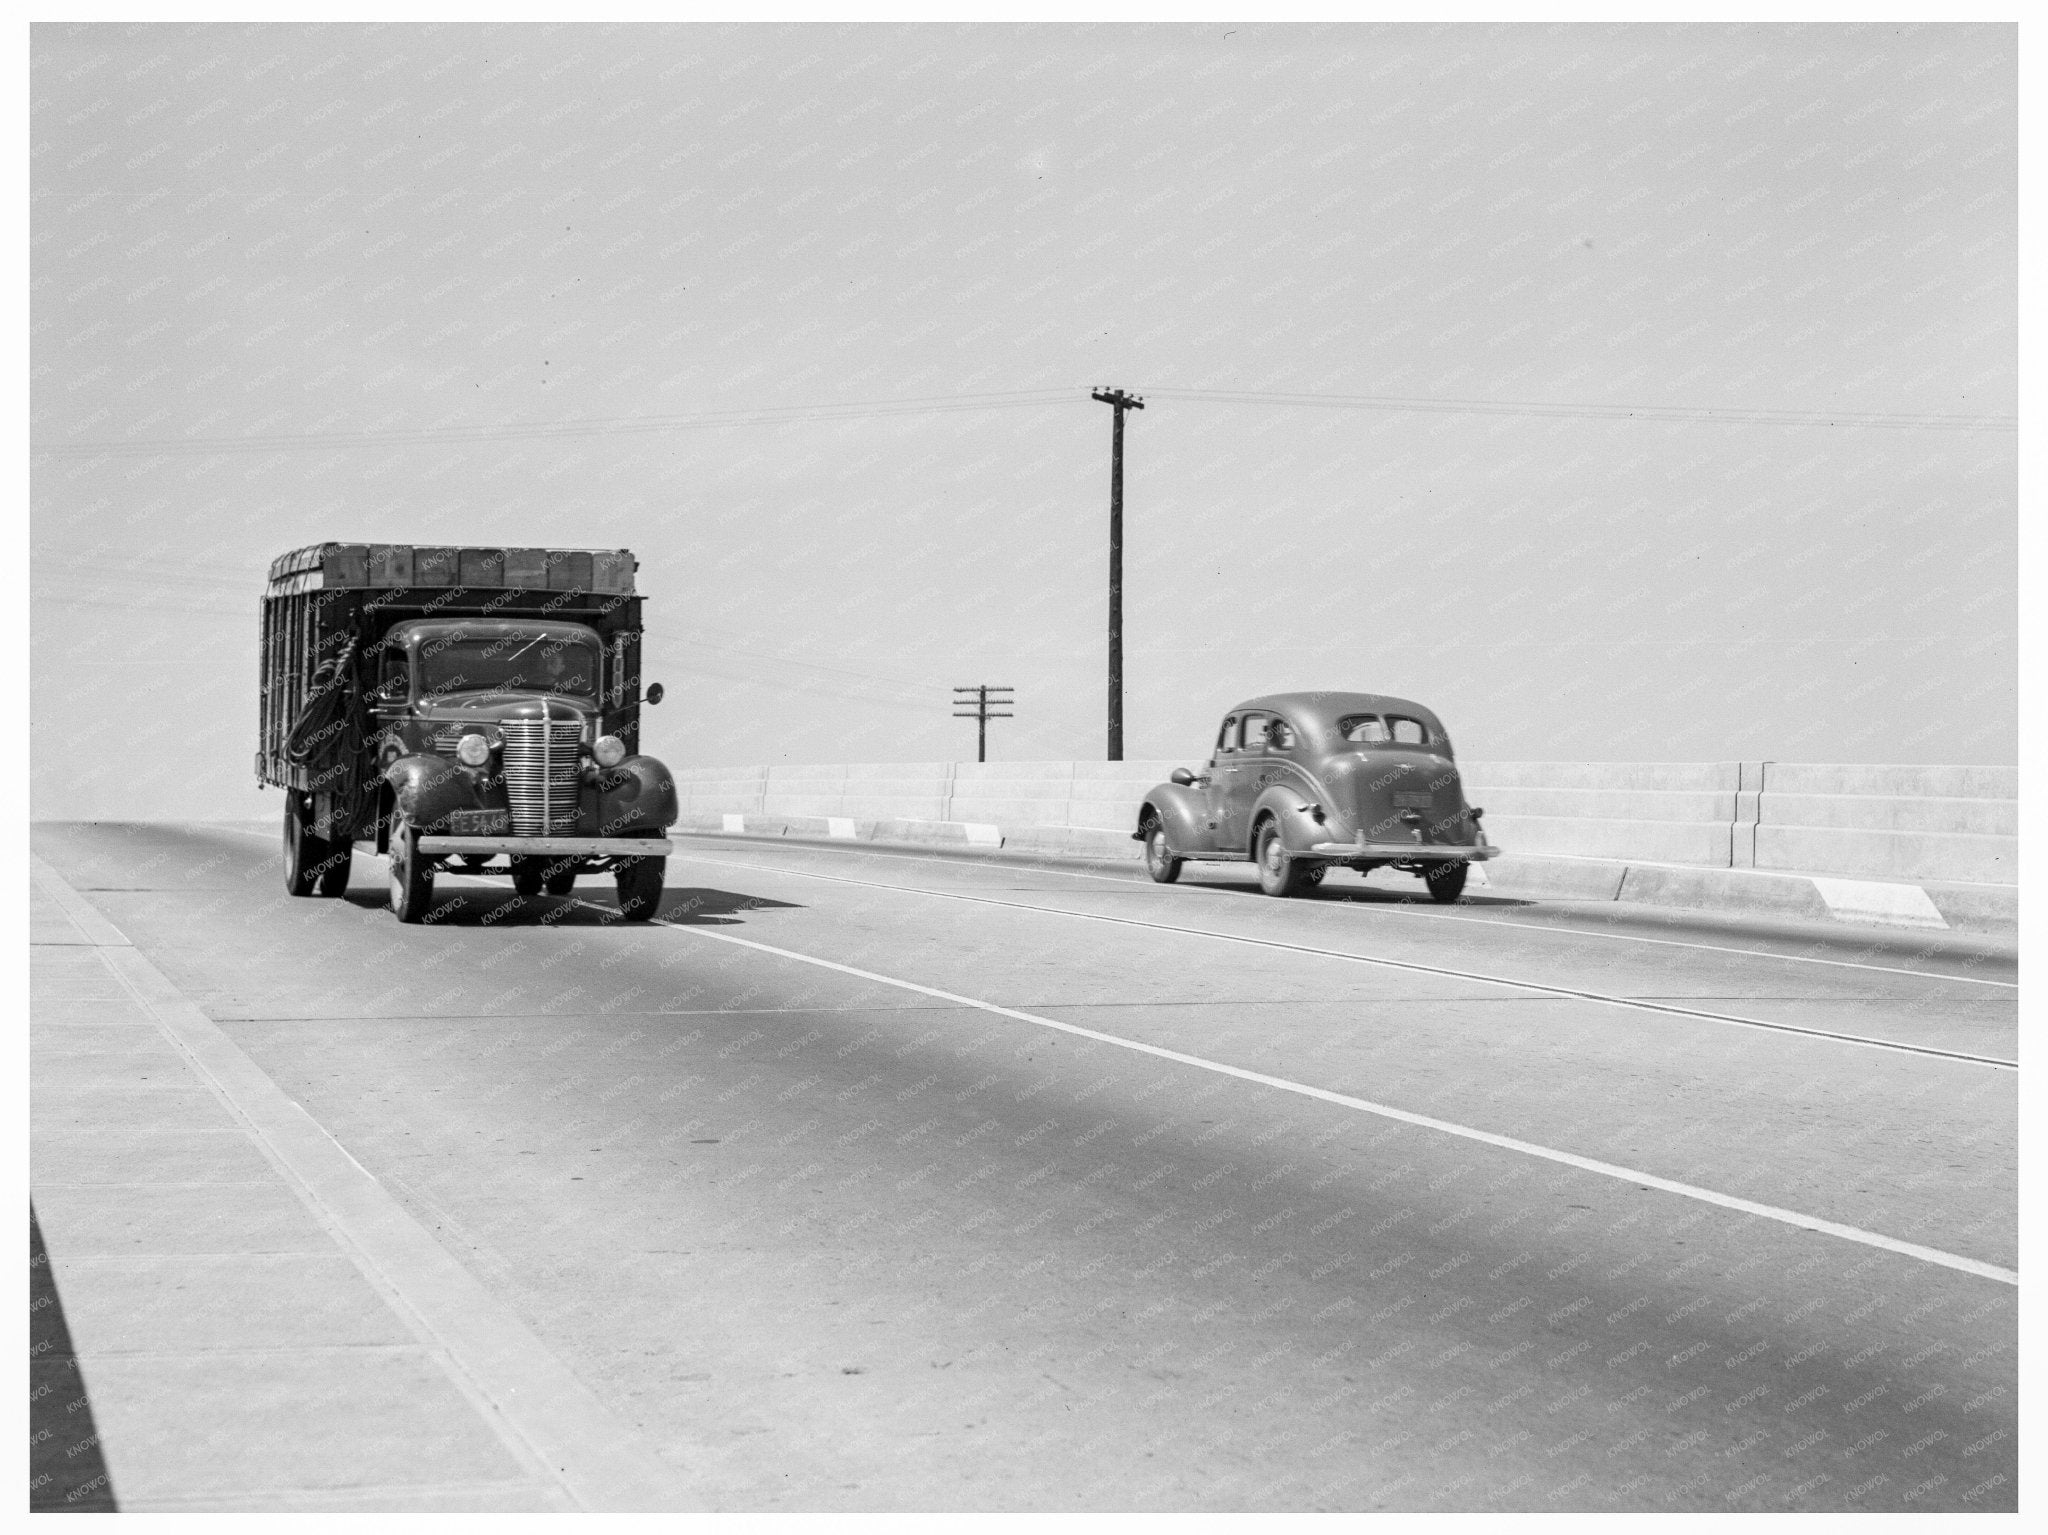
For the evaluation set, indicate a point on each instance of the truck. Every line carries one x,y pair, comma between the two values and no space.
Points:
463,709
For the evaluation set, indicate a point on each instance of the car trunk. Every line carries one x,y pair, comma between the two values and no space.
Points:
1389,792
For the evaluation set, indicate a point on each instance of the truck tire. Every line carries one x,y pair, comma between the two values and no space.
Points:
561,882
335,866
640,881
302,850
526,876
1446,881
412,881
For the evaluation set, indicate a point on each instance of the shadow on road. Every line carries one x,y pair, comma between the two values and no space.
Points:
1356,895
484,906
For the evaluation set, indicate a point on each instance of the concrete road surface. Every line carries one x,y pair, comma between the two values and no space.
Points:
871,1180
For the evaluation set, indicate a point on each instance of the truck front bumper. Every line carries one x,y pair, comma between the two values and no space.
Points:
1406,852
550,847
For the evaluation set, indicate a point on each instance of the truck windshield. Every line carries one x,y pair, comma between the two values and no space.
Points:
524,663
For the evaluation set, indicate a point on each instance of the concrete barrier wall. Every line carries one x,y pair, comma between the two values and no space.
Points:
1864,821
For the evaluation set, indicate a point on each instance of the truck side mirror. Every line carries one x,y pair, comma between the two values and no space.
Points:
1181,776
653,694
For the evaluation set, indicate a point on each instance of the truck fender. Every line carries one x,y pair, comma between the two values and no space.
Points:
424,789
1182,813
1286,804
637,795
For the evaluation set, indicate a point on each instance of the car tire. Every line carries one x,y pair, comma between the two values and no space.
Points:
412,881
302,850
527,877
1278,874
1446,881
1159,860
640,881
561,881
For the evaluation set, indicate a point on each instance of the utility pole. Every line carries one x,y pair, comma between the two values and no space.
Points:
1121,402
976,701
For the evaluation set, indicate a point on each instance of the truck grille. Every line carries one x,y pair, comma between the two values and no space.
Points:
542,775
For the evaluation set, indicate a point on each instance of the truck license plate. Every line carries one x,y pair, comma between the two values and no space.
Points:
479,823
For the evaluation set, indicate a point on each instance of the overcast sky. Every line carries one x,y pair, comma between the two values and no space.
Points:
381,270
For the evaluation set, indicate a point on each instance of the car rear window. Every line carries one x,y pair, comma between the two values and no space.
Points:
1374,730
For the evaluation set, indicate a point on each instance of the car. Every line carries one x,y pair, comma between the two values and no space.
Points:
1302,782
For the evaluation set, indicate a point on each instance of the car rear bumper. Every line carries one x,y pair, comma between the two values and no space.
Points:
550,847
1406,852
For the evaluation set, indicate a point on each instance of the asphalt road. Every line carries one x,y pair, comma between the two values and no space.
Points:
877,1181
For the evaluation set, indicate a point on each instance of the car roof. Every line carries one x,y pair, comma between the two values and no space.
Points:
1323,710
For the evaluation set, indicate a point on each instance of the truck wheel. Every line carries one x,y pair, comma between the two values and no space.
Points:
1279,874
562,881
526,876
302,850
1446,881
640,881
335,866
412,881
1159,860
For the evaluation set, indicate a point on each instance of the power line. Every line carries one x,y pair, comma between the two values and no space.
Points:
595,427
1010,399
1730,415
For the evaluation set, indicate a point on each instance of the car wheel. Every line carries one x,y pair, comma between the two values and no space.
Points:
561,881
412,881
527,874
1279,874
1159,860
640,881
1446,881
302,850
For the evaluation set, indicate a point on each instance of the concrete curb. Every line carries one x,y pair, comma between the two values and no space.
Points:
1992,909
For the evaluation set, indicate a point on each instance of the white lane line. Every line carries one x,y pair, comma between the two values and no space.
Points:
1856,1234
551,1422
1417,913
1543,988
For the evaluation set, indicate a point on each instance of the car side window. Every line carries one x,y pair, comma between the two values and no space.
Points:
1280,736
1408,732
1226,738
1254,732
1366,729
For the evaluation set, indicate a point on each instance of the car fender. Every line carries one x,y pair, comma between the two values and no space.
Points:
1287,805
425,789
1184,814
637,795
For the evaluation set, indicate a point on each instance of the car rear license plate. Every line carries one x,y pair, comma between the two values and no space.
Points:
1412,801
479,823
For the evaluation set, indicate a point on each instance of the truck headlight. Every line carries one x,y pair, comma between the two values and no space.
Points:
472,750
610,751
